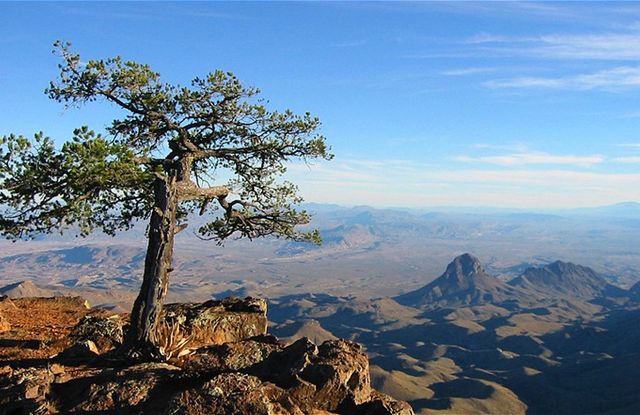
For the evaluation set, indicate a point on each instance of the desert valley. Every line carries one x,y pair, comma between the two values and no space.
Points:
513,333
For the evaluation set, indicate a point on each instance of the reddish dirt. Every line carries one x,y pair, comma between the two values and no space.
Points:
39,326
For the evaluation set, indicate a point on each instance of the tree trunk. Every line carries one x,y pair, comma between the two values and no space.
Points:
140,341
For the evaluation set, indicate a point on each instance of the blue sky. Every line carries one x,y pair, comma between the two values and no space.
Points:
530,105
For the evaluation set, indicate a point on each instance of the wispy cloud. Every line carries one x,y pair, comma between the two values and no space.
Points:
629,159
618,78
514,147
518,159
412,184
526,82
348,44
467,71
590,46
167,12
480,38
630,145
601,46
116,13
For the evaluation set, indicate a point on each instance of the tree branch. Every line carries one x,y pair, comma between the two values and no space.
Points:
187,190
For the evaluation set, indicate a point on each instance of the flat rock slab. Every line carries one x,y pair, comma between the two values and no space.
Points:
218,322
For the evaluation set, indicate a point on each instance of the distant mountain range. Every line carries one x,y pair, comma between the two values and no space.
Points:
366,252
624,209
465,283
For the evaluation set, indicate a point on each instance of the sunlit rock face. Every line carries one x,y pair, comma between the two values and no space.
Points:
230,366
218,322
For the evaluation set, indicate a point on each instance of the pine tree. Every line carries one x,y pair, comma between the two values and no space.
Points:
157,163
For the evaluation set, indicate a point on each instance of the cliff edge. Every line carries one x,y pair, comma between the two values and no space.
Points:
57,356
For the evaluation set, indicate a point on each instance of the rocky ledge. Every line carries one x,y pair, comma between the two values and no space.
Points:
226,364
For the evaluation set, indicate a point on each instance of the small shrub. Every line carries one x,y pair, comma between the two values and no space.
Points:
171,340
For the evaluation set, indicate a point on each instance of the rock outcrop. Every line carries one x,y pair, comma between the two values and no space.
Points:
257,376
5,303
235,368
332,377
217,322
24,391
234,393
106,333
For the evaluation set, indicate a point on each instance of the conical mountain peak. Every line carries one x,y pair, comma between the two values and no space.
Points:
463,283
465,265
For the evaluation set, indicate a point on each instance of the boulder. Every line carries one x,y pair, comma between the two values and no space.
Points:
125,391
340,373
217,322
234,393
283,366
24,391
4,323
381,404
232,356
333,377
105,332
79,351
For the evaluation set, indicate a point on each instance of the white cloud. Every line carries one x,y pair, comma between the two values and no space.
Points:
467,71
601,46
630,145
347,44
514,147
610,79
525,82
628,159
611,46
516,159
488,38
405,183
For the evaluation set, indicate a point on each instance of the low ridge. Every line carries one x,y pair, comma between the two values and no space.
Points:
24,289
565,279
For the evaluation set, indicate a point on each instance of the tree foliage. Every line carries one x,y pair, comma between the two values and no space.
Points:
189,137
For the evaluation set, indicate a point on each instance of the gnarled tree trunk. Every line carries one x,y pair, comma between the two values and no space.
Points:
140,340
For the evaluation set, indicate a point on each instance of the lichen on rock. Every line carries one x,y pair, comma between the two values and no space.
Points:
105,332
219,321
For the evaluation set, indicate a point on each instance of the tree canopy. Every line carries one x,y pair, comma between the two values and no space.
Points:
210,146
214,128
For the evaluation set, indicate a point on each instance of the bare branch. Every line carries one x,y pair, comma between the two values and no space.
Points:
187,190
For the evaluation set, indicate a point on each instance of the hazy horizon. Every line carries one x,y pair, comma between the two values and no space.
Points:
627,203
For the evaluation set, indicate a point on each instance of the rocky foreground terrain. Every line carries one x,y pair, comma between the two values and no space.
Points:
57,355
